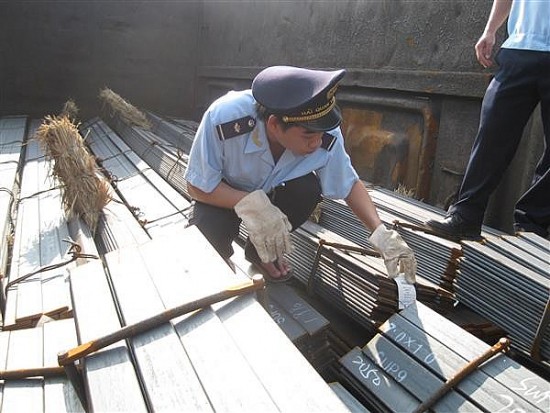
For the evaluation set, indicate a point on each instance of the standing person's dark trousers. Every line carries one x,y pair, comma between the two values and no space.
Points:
522,81
296,198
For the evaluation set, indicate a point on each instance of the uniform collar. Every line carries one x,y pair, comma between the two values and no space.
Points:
257,139
257,142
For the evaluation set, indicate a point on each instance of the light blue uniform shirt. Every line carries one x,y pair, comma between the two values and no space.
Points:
245,161
529,25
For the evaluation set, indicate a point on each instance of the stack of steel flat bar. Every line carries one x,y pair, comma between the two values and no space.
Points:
534,239
338,217
37,348
410,209
531,256
118,227
510,288
179,133
417,351
527,241
349,399
12,134
38,280
303,324
354,283
317,338
225,357
437,257
166,159
152,200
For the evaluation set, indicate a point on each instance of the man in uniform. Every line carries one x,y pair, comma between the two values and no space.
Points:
265,157
519,85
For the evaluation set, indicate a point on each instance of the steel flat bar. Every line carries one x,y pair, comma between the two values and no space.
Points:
142,326
517,378
501,346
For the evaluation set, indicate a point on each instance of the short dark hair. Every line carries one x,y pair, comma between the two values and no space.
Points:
264,113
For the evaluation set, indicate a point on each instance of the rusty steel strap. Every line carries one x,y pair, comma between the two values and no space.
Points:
502,345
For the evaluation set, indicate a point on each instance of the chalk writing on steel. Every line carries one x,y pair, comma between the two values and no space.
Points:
509,407
531,392
367,370
276,314
392,367
411,343
300,311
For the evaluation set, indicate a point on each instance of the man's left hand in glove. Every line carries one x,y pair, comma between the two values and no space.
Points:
397,255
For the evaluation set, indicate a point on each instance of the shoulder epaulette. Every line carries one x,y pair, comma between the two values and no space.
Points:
235,127
328,141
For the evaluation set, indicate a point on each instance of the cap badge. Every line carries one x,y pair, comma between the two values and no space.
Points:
237,127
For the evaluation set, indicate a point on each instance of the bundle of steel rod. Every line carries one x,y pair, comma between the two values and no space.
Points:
180,134
166,159
436,257
419,358
499,283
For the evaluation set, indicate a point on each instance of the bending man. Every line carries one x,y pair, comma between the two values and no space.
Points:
266,156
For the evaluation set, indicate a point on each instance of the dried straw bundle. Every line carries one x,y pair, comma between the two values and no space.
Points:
85,191
70,109
126,111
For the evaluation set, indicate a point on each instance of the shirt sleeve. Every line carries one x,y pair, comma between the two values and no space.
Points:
204,168
338,175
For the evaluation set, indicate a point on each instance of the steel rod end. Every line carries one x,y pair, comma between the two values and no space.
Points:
504,343
258,280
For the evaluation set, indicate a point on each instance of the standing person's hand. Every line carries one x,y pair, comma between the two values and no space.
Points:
484,49
268,227
397,255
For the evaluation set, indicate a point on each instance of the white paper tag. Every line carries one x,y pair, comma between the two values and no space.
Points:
406,292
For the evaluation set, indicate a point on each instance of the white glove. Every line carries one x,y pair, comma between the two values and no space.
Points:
394,250
268,228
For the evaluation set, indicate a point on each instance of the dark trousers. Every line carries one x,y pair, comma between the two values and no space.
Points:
296,198
521,82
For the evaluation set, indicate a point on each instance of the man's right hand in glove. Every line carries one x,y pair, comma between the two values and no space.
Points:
267,226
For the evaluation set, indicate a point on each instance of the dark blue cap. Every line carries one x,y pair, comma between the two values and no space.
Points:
300,96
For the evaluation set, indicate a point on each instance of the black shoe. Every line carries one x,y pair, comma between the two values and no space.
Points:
454,226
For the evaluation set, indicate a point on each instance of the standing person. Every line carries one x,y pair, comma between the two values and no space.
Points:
266,156
521,82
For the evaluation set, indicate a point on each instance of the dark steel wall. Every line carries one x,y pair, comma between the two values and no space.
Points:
51,51
174,57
